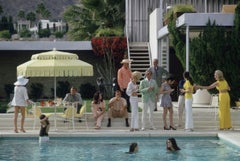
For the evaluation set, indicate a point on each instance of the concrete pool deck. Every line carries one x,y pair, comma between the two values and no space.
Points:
205,124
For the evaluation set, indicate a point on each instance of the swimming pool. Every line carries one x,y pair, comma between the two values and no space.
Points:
114,148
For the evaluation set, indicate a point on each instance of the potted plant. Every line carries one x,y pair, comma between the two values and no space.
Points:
178,10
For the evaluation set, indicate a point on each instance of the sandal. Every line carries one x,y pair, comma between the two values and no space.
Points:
16,131
97,127
22,130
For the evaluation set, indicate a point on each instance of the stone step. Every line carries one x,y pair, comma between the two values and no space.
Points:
138,44
139,53
202,120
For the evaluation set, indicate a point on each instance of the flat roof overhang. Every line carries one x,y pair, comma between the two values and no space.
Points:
198,20
45,45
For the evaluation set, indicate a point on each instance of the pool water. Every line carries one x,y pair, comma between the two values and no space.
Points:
114,148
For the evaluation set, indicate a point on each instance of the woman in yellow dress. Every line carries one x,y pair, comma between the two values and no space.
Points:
224,100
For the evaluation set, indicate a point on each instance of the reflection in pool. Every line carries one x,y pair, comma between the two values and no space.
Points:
114,148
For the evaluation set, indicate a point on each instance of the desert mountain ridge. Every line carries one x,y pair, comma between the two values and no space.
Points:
56,7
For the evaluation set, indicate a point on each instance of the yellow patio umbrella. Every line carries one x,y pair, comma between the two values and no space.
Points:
55,64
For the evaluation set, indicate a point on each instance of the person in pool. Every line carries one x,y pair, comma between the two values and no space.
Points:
45,125
133,148
172,145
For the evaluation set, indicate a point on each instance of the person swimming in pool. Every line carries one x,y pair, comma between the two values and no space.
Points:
133,148
45,125
171,145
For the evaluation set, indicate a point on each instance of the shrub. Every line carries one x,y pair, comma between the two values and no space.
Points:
178,10
44,33
215,48
36,91
5,34
58,34
3,108
25,33
62,88
87,90
8,89
109,32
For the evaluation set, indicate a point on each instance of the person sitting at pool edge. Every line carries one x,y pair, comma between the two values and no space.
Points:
172,145
117,108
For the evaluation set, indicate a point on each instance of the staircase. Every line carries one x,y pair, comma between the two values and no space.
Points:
139,53
164,58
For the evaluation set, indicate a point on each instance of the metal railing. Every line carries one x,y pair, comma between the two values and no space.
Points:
128,48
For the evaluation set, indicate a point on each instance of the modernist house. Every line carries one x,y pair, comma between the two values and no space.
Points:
148,37
58,25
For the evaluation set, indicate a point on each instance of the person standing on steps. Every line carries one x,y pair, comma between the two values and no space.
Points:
157,74
124,76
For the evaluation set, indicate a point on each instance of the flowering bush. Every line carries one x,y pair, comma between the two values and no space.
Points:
115,46
111,50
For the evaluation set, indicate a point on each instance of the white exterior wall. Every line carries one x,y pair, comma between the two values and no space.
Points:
154,26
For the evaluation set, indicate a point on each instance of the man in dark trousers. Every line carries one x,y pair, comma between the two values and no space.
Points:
124,76
157,74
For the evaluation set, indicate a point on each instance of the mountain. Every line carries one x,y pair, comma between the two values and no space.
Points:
56,7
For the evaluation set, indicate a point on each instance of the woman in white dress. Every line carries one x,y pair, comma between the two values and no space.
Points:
20,101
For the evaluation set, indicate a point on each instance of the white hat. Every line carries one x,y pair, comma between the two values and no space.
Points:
21,81
126,61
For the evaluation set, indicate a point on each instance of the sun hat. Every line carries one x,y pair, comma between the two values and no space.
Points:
21,81
137,75
126,61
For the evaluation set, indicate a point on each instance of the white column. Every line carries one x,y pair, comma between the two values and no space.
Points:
205,6
187,47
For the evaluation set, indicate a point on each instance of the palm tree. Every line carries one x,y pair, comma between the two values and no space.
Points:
87,18
21,14
42,11
31,16
1,10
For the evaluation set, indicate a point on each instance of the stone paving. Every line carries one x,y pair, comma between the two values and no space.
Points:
205,124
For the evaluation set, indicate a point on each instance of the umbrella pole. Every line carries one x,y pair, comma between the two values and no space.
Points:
55,108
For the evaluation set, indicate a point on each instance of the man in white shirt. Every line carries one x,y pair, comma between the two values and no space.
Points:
73,98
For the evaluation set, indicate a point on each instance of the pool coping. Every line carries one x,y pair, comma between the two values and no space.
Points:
232,137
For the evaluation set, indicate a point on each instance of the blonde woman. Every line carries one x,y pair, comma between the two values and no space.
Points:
224,100
132,91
